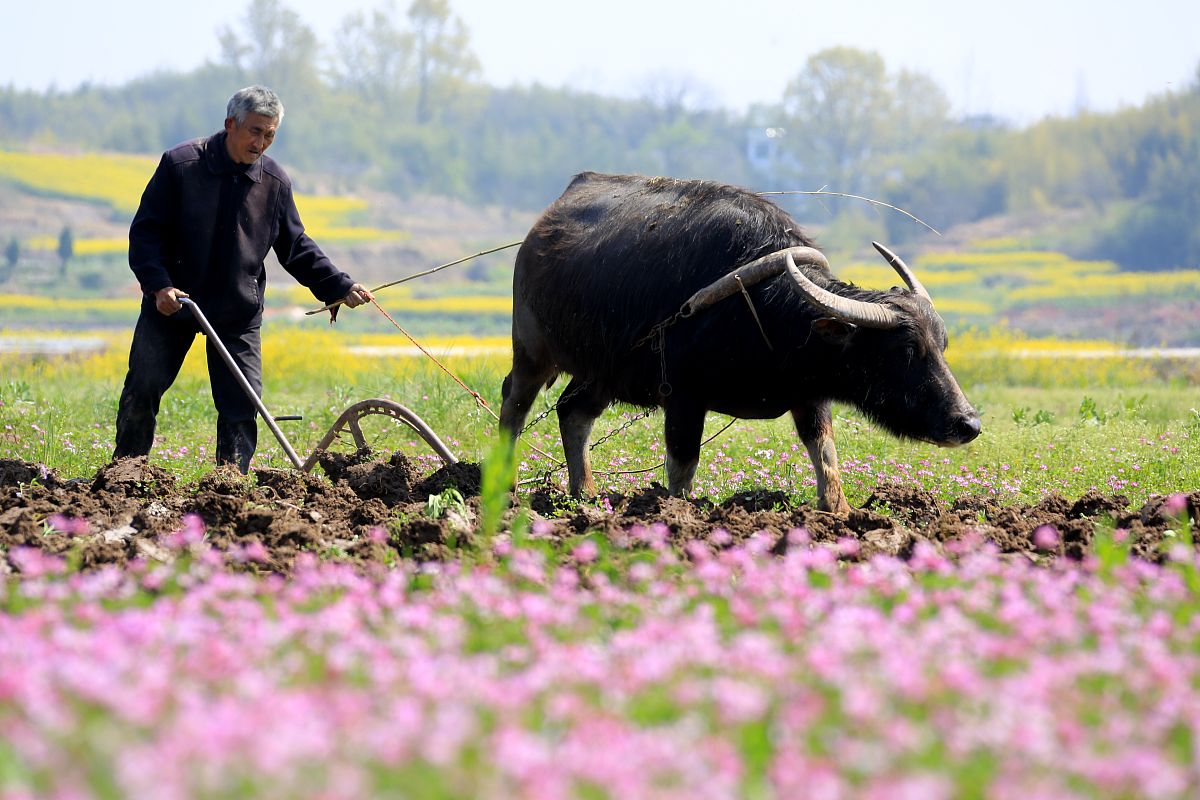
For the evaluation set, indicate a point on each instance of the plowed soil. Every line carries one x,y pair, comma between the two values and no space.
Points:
125,511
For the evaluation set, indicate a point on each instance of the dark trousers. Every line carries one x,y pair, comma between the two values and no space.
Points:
159,347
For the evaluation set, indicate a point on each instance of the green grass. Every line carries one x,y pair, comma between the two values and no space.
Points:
1135,440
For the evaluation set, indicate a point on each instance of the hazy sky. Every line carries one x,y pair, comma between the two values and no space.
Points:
1020,59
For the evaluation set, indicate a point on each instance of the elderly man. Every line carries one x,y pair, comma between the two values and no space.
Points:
208,216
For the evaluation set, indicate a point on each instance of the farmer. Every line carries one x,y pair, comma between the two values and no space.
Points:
208,216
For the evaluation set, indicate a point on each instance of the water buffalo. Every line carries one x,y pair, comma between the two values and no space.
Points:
616,254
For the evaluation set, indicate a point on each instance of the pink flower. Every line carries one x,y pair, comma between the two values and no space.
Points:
1176,504
1180,553
697,551
71,526
585,552
641,572
1045,537
720,538
798,537
739,701
252,550
191,533
33,563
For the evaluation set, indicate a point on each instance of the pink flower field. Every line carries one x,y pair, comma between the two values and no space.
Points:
620,669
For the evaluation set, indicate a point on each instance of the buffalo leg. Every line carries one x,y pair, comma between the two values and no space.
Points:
814,423
683,429
521,386
578,409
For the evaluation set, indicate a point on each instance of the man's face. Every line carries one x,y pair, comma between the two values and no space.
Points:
249,140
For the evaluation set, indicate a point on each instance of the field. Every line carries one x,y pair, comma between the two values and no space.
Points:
982,282
1012,618
1016,618
117,181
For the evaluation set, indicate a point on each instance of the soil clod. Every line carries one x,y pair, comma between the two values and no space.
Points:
368,510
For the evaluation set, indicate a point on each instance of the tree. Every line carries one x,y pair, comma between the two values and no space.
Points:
848,119
919,113
1158,230
12,254
837,107
961,181
675,93
373,56
66,249
280,51
442,55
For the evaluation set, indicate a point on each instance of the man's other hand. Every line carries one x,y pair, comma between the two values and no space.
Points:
167,300
357,296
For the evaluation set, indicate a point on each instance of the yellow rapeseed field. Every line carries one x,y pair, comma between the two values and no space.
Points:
996,356
52,305
82,246
297,356
115,180
1002,356
1065,286
983,281
332,218
992,275
118,180
1005,262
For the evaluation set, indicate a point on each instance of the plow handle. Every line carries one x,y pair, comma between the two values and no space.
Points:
241,380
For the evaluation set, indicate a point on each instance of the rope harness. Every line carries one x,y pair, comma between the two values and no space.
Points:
478,397
657,333
656,337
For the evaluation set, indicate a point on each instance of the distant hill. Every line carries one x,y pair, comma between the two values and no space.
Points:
1123,184
982,274
374,235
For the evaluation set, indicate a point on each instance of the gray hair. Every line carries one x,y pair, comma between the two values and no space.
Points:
254,100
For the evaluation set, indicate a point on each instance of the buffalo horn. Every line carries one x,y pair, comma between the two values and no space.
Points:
858,312
902,269
757,271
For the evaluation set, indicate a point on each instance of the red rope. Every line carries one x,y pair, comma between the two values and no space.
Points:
478,398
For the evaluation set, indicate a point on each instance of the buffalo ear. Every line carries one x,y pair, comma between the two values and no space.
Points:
834,330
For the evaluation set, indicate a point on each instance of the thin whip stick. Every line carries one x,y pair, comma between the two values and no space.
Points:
420,274
872,201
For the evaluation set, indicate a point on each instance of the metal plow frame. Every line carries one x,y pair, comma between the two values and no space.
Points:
364,408
348,419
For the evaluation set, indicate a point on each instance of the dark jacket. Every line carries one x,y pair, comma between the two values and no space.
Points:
186,235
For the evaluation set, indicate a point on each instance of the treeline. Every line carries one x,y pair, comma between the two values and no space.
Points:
396,103
1132,173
